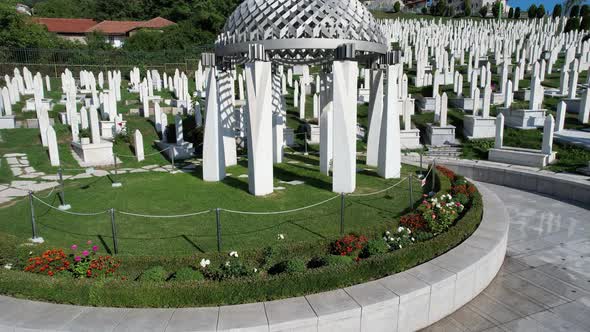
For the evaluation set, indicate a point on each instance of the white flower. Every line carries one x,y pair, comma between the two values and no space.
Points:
400,246
30,253
413,240
255,270
8,266
233,254
387,232
227,263
438,206
390,239
281,237
205,262
400,229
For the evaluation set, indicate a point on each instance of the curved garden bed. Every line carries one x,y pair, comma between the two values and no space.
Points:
269,273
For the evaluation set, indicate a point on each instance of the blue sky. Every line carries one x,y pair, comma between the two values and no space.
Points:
524,4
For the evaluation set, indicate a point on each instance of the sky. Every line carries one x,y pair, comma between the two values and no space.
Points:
525,4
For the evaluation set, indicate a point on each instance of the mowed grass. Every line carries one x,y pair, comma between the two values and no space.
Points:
166,194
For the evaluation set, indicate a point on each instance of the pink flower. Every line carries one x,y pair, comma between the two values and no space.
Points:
89,242
78,258
433,216
74,247
85,253
95,248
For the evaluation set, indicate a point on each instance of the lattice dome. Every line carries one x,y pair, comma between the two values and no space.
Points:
300,31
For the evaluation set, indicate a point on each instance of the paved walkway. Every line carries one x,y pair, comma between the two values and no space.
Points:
579,138
544,284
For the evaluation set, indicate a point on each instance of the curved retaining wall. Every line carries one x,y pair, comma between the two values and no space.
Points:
569,187
406,301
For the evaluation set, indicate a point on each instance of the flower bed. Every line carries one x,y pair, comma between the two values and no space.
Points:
257,275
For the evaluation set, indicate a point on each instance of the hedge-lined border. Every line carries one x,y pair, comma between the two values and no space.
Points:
117,293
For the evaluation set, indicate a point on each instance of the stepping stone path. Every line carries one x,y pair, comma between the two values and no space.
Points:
293,183
20,167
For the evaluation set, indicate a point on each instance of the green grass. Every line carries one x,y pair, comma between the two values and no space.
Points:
165,194
28,141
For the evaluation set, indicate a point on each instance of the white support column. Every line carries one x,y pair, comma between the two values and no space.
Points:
278,119
390,142
213,152
225,85
259,94
326,123
375,115
345,112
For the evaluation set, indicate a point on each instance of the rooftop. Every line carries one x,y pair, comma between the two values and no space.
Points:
83,25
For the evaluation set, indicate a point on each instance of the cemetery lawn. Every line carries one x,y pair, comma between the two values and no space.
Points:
156,193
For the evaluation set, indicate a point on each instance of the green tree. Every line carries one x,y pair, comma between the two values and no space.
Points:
575,11
541,11
573,23
497,9
66,8
532,11
511,13
467,9
483,11
397,7
557,11
97,41
517,13
19,31
585,25
424,11
585,10
441,8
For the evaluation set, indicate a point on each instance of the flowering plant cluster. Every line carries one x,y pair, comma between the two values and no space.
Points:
349,245
234,267
440,212
50,262
446,172
81,263
414,221
399,239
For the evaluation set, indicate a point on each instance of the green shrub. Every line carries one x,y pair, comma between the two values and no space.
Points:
156,273
334,260
373,248
295,265
188,274
231,269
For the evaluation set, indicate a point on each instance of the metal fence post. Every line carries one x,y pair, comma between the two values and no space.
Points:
33,225
433,174
411,193
114,231
172,161
218,220
342,213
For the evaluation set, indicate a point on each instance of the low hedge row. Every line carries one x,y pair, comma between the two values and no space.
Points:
119,293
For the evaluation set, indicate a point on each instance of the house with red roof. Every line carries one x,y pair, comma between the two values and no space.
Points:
115,32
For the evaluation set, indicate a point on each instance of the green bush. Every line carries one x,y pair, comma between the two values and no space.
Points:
156,274
188,274
231,269
374,248
295,265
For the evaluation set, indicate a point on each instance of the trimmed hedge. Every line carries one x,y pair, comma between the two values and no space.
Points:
119,293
